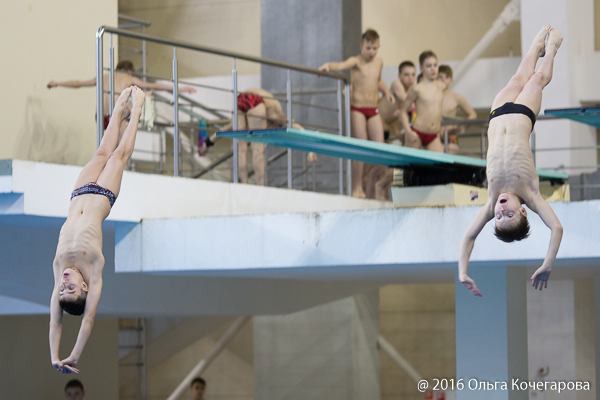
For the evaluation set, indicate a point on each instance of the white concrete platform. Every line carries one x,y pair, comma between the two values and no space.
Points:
34,199
182,247
397,244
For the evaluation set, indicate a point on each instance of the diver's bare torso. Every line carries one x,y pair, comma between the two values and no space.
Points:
510,167
80,239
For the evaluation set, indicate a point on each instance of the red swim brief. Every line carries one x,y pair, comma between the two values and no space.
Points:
106,121
247,101
426,138
366,111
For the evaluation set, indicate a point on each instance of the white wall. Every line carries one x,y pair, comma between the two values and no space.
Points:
229,25
42,41
26,372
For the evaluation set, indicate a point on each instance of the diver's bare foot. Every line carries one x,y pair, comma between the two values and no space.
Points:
121,104
554,40
137,98
539,42
358,193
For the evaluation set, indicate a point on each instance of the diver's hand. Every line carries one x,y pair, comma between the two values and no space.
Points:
68,366
470,285
539,280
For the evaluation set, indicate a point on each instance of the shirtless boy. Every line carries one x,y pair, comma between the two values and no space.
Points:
452,102
427,97
512,178
79,261
258,110
388,111
366,83
123,79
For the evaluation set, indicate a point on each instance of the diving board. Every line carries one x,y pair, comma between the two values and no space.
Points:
448,167
585,115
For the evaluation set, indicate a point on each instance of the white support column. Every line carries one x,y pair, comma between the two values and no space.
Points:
491,332
575,20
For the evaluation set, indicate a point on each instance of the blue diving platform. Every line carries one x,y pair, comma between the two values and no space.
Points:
585,115
417,163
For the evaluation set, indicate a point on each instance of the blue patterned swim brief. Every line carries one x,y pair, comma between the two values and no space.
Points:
93,188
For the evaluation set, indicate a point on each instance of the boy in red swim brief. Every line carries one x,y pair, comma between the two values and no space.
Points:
428,97
366,83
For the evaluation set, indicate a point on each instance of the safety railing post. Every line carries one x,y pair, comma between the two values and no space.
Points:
99,87
289,123
340,133
483,142
348,134
111,76
144,55
175,116
235,169
446,139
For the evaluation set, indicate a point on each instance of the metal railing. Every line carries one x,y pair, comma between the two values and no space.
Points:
345,110
136,23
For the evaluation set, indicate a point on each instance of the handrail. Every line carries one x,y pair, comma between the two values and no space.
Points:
212,50
137,21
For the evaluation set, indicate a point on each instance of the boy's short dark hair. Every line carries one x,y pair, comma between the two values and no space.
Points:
405,64
74,383
446,70
125,65
425,55
516,233
419,77
370,35
76,307
198,379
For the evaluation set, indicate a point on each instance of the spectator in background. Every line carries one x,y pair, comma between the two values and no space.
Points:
197,388
74,390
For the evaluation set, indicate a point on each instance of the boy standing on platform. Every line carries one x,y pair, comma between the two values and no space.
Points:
452,102
366,83
427,96
390,111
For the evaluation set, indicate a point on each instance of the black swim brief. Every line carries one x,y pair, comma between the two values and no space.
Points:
93,188
512,108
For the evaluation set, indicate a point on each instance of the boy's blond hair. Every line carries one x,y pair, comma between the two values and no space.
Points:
370,35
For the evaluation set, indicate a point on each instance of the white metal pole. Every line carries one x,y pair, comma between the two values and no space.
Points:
289,123
111,76
398,359
348,134
235,167
205,362
175,116
511,12
99,87
340,132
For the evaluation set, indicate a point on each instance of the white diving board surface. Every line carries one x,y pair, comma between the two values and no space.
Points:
367,151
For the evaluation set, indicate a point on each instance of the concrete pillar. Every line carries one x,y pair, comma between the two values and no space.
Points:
491,332
575,20
551,331
308,34
326,353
